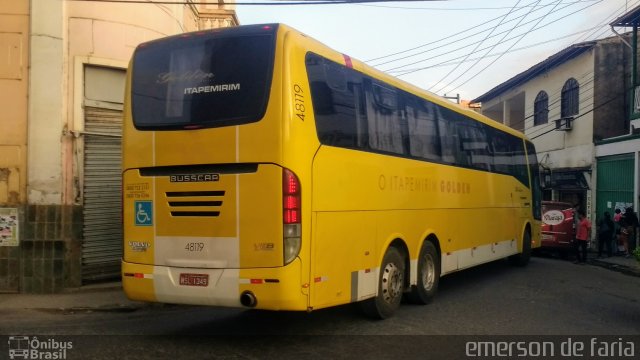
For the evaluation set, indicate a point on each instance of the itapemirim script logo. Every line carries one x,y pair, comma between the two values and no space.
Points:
30,347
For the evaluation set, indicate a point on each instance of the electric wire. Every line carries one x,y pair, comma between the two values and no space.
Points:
485,39
507,40
249,3
485,22
492,48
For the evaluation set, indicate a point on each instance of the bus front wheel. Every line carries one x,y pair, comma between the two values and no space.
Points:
428,275
390,286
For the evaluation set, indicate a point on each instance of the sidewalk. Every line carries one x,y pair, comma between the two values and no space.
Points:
100,297
627,265
110,297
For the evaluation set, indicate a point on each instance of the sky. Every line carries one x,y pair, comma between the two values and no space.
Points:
450,47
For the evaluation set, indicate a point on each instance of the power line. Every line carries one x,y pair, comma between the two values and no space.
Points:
453,61
514,37
447,38
615,97
274,3
605,21
493,47
485,39
457,9
536,129
584,80
567,56
461,39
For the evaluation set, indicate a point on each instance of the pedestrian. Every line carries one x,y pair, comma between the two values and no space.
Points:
617,232
605,234
631,221
576,221
617,216
583,233
628,224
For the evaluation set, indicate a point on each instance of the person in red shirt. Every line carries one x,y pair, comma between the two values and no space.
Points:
583,233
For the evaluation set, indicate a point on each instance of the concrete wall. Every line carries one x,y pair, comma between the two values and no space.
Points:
613,80
557,149
14,81
565,149
45,46
14,84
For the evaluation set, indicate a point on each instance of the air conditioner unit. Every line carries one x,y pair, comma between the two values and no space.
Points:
564,124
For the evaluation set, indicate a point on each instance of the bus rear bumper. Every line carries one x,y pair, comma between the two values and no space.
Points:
273,288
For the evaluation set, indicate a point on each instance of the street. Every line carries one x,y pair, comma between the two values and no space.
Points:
548,297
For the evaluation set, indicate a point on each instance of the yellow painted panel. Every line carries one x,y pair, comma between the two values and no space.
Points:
138,240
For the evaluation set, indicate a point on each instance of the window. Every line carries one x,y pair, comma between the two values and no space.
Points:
353,110
383,117
424,140
336,95
569,99
202,81
541,109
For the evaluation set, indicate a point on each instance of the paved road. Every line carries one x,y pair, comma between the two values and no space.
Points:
548,297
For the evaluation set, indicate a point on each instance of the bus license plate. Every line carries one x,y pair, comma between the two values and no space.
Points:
194,279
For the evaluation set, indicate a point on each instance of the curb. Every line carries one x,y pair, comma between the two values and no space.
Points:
98,287
616,267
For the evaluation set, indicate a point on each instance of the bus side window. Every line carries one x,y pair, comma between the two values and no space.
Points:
475,145
501,151
424,141
322,98
447,128
383,116
334,103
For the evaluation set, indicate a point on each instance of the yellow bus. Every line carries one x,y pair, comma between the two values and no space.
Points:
262,169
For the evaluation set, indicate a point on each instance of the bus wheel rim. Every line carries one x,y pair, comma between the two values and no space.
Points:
392,280
428,273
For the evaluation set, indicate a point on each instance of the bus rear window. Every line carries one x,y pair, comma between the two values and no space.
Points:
206,79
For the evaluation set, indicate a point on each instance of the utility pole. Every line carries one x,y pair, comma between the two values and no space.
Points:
456,98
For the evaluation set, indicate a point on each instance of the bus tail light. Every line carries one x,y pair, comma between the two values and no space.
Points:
291,201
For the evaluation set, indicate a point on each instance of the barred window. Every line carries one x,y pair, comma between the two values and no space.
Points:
541,109
570,92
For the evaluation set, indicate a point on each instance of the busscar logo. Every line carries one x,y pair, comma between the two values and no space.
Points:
194,177
26,347
139,246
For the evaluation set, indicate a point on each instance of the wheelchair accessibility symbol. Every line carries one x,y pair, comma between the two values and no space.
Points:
144,213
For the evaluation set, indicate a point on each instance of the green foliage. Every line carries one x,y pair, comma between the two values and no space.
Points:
636,253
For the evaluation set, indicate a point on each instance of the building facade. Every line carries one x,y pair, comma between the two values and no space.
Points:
567,105
62,75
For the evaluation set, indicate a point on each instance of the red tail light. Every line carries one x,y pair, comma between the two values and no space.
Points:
291,216
291,197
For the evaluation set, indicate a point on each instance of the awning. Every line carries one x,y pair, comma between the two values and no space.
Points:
570,179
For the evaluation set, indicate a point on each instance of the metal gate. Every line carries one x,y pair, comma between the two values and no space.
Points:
102,230
615,183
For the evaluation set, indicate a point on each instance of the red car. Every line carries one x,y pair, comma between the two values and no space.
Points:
558,229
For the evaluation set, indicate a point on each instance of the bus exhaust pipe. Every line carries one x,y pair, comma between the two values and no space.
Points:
248,299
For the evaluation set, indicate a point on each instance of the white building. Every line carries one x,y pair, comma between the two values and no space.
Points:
573,105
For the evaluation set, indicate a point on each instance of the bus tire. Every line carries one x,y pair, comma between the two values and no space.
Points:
428,275
390,287
522,259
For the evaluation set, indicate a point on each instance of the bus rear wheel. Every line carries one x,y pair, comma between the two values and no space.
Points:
428,275
390,287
